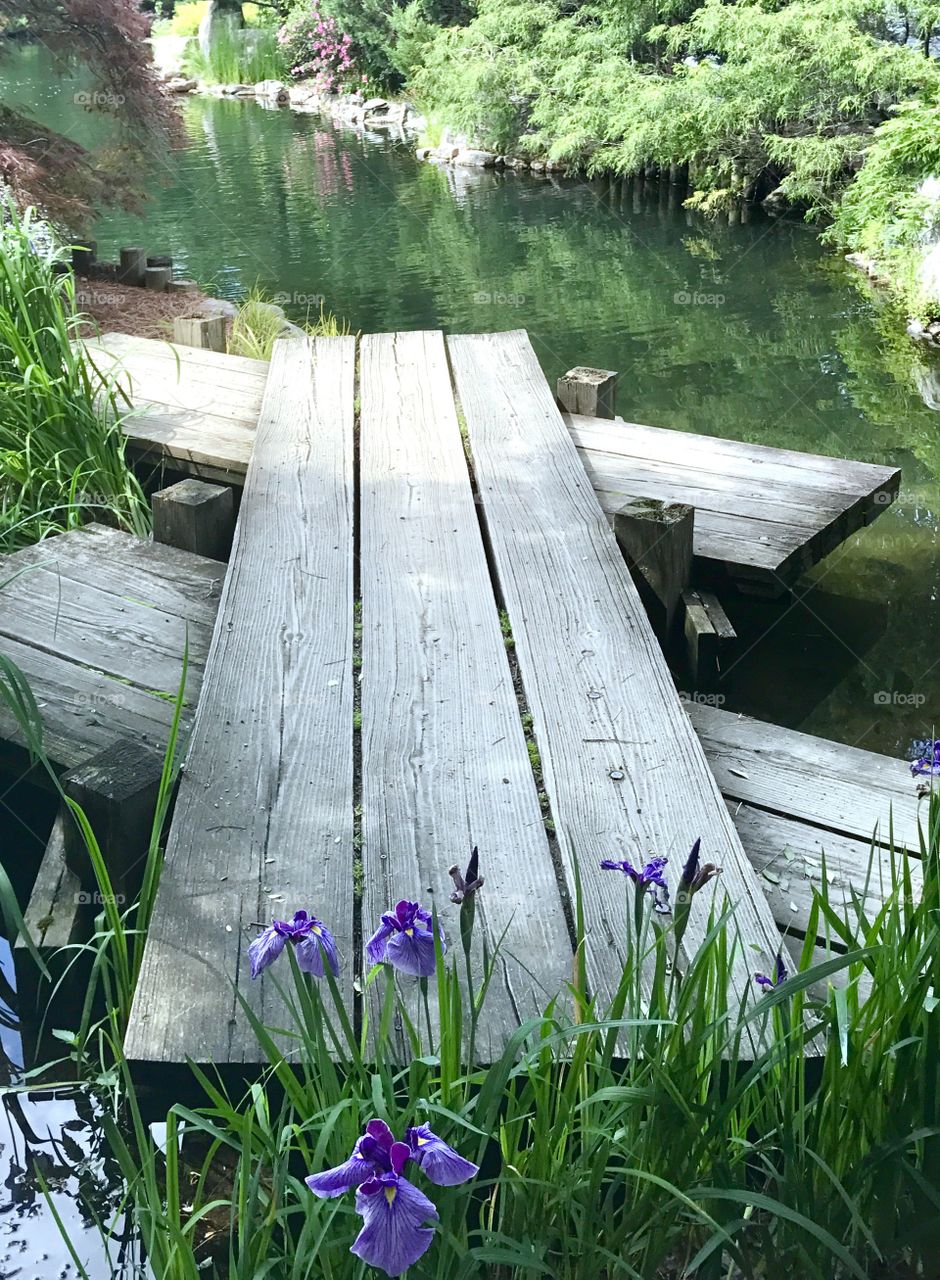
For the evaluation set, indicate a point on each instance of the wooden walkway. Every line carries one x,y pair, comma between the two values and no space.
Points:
763,516
264,819
795,800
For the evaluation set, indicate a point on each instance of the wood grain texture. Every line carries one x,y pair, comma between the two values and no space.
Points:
844,789
624,773
796,860
773,512
98,621
444,759
263,822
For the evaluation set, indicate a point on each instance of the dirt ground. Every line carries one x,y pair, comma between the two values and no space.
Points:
112,306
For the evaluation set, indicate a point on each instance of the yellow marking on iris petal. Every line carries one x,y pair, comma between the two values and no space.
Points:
390,1194
423,1141
409,933
316,930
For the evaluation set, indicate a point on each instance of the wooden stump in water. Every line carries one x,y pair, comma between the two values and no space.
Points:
656,540
588,391
133,265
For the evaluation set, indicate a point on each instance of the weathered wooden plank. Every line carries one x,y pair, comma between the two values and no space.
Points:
760,464
790,856
263,822
85,711
769,513
844,789
444,758
624,773
224,364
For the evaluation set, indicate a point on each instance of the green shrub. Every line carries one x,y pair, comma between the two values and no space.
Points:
61,443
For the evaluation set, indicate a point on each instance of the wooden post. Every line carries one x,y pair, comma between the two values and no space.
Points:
160,260
656,540
84,256
199,331
158,278
133,265
181,286
117,789
708,632
195,516
53,919
588,391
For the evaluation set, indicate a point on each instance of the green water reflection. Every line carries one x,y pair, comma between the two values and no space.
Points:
750,331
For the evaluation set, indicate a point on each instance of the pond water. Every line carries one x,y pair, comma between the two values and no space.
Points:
752,331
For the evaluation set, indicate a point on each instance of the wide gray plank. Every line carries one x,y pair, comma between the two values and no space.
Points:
624,773
263,822
444,759
842,788
794,858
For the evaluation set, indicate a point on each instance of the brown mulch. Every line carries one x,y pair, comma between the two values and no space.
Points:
112,306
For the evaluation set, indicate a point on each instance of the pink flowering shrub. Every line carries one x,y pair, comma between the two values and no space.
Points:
317,50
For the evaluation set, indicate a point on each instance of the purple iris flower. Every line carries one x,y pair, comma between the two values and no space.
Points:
648,879
780,976
312,941
929,762
405,940
695,876
392,1209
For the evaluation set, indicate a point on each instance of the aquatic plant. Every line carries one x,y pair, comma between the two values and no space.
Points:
62,448
313,945
405,940
237,56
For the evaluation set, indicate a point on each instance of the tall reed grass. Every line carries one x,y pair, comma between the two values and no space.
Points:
237,56
641,1141
61,445
258,324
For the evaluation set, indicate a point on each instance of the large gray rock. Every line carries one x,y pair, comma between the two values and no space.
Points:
471,158
272,91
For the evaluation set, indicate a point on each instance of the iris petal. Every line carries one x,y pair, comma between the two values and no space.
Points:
440,1162
392,1237
336,1182
412,952
312,949
377,945
265,950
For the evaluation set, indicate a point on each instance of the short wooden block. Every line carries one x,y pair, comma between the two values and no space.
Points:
181,286
133,265
195,516
84,256
117,791
656,540
708,632
157,278
160,260
588,391
200,331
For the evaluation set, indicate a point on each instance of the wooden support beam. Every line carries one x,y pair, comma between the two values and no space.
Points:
133,265
84,256
656,540
158,278
708,631
195,516
208,333
117,790
52,920
588,391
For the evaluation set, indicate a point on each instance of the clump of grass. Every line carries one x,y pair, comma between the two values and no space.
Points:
260,322
237,56
62,449
187,17
684,1130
